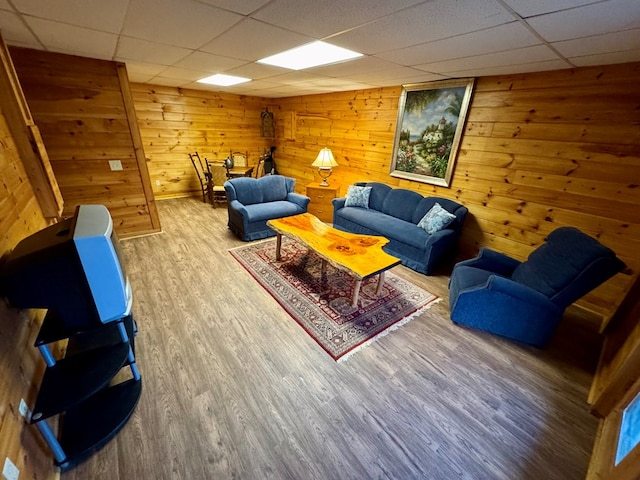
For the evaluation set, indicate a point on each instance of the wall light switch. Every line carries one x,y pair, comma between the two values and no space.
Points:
115,165
10,471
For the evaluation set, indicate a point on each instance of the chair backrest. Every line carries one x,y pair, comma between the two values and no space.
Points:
569,265
239,159
218,174
201,167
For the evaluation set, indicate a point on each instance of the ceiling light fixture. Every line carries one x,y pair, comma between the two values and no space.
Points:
310,55
223,80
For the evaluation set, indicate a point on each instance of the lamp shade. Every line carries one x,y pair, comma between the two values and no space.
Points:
325,159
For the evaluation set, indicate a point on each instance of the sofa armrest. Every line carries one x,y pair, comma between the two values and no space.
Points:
338,203
299,199
492,261
238,207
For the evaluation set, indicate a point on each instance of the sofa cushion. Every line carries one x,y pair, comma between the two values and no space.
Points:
401,203
247,190
273,188
436,219
267,211
386,225
379,192
358,196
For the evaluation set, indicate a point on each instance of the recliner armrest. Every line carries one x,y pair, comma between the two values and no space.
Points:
492,261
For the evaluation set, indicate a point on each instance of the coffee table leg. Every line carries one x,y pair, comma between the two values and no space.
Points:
380,283
323,266
278,245
356,293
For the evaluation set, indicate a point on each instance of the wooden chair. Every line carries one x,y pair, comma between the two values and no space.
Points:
204,176
240,159
218,177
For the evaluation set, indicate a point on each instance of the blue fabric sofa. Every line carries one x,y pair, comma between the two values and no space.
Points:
525,301
252,202
394,213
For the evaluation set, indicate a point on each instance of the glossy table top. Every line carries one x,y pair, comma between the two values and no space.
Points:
360,255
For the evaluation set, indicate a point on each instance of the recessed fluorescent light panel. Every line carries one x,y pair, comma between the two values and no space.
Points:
223,80
310,55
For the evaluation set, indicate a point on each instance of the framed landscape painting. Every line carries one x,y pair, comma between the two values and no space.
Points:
431,119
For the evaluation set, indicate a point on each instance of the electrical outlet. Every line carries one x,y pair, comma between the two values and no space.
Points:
24,410
10,471
115,165
158,182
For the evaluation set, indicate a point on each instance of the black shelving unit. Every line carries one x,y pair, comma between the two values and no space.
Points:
80,389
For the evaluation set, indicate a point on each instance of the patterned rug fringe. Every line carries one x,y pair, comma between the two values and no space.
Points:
383,333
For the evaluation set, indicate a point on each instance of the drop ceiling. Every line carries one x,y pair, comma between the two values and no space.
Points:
176,42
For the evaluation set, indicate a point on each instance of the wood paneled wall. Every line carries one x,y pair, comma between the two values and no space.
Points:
86,116
540,151
21,366
175,122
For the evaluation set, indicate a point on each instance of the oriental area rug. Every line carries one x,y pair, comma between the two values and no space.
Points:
321,303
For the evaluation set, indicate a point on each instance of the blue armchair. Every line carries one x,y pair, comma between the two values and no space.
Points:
525,301
252,202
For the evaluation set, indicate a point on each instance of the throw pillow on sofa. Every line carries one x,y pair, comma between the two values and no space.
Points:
357,196
436,219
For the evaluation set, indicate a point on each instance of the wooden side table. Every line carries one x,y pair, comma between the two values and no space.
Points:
320,204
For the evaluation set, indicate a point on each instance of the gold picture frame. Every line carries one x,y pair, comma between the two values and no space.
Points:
431,118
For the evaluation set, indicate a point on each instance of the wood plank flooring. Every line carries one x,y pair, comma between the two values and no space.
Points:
233,388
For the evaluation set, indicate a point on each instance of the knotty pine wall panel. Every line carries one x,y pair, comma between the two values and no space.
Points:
86,119
175,122
539,151
21,366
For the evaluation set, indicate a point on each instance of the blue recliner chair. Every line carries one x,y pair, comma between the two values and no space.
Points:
252,202
524,301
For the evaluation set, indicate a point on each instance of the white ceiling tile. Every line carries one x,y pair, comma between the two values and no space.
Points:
529,8
61,37
245,7
426,22
608,43
540,53
252,40
15,31
495,39
389,74
183,23
168,82
509,69
257,71
599,18
358,66
207,62
184,74
138,77
319,19
607,58
149,52
140,68
83,13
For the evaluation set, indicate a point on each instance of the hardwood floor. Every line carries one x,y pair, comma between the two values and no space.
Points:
234,388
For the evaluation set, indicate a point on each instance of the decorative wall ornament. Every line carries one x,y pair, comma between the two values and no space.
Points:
431,119
267,125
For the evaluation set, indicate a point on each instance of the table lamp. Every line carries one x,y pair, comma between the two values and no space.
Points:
325,162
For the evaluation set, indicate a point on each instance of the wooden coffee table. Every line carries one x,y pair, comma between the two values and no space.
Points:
361,256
